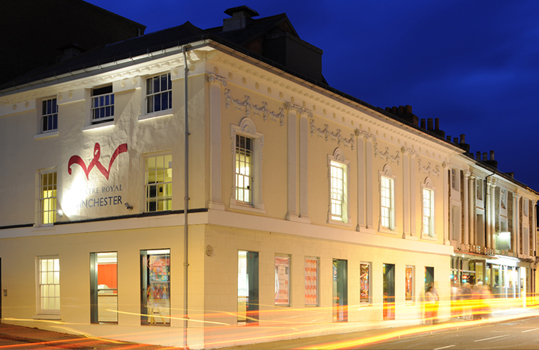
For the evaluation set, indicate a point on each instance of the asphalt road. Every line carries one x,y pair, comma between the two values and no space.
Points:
516,334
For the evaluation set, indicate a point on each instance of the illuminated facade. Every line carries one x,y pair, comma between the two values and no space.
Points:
306,208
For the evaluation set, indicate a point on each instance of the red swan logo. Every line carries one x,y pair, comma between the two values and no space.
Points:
95,162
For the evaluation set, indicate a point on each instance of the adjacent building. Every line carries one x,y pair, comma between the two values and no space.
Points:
291,210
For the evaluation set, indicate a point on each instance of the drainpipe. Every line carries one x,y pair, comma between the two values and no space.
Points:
186,206
487,202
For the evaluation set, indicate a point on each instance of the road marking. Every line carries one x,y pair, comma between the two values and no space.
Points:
500,336
444,347
530,330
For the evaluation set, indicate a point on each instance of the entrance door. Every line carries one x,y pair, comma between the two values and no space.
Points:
389,291
429,276
104,287
248,287
340,290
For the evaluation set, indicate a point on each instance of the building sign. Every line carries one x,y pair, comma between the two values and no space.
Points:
101,190
95,162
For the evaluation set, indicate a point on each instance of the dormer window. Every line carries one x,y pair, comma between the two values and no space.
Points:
102,108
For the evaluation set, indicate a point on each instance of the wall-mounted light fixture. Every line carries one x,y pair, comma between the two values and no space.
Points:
128,206
59,213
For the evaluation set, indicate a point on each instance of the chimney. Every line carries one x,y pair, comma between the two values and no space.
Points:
478,156
491,155
394,110
401,109
69,51
485,157
511,174
423,124
408,109
436,123
463,144
429,124
241,18
456,140
493,163
449,138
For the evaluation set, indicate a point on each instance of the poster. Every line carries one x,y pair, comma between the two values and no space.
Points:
408,283
282,280
364,282
311,281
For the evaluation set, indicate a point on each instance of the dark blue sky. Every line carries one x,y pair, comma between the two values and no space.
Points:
473,64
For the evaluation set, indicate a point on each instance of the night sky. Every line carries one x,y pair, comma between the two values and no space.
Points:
473,64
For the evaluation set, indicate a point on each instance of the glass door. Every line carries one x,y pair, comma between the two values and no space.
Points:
340,290
248,287
104,287
389,291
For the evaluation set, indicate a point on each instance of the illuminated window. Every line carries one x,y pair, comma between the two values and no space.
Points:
387,202
158,93
48,285
282,280
365,283
102,107
155,287
49,115
247,167
409,283
158,183
428,212
338,187
47,197
311,281
503,199
244,169
338,191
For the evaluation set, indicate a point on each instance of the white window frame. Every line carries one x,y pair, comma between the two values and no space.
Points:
162,184
247,128
479,189
41,199
105,103
338,160
55,286
430,231
387,173
153,113
312,276
46,113
455,179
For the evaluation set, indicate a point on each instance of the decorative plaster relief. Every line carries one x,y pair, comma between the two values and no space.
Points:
214,78
385,154
334,136
249,108
299,110
410,151
428,169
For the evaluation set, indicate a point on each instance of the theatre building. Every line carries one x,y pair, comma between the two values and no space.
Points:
295,209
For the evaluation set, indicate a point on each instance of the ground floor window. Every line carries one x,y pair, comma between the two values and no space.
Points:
48,285
311,281
365,283
282,280
155,286
104,287
409,283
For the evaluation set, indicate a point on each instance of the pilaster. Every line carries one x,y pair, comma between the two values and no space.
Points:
216,83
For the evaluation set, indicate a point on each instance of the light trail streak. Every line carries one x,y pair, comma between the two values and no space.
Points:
444,347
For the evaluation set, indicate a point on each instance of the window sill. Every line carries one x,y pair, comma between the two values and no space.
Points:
46,134
429,238
165,113
99,126
247,208
339,223
388,230
47,317
46,227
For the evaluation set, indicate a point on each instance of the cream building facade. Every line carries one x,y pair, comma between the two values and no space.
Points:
308,209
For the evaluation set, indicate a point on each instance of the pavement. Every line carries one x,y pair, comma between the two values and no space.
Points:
47,339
